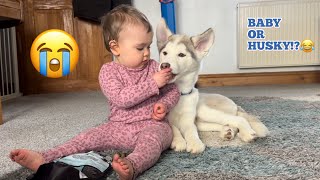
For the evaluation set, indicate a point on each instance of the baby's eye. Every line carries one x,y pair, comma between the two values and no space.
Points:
139,49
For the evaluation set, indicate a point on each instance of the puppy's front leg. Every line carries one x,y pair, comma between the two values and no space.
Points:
190,133
178,142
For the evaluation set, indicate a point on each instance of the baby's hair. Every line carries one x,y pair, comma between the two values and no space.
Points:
112,23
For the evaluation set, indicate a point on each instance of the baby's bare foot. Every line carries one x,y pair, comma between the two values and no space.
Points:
27,158
122,167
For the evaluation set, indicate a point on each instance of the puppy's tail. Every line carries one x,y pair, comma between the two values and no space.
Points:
255,123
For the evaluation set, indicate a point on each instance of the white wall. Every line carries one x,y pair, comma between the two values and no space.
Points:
152,9
195,16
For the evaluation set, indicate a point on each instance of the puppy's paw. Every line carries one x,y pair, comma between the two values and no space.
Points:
195,146
247,136
228,133
261,129
178,144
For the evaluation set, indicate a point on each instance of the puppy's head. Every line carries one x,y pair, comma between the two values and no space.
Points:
182,53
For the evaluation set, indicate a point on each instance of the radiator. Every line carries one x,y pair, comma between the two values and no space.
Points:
9,80
265,41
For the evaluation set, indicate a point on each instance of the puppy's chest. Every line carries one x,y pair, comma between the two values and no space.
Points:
187,103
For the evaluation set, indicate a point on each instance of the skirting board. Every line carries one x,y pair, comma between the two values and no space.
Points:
239,79
53,86
267,78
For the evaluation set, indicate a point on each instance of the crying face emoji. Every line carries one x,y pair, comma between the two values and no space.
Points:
54,53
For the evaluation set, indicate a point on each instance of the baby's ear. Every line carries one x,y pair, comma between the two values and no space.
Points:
162,33
203,42
114,48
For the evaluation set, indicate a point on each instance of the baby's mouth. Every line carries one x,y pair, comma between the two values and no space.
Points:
54,65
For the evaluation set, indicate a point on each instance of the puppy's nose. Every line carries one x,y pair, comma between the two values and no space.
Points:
164,65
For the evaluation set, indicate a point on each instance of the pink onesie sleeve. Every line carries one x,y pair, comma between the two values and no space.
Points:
125,96
170,95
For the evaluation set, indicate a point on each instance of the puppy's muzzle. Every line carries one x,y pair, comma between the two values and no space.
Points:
164,65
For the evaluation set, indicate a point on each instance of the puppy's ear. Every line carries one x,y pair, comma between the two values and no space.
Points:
163,33
203,42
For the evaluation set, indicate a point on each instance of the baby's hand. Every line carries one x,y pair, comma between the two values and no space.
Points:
162,77
159,111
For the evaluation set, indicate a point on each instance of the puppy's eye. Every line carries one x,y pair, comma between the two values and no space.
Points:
181,55
164,53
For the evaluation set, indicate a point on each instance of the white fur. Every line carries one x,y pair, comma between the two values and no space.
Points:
195,111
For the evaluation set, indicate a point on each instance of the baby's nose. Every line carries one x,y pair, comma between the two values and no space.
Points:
164,65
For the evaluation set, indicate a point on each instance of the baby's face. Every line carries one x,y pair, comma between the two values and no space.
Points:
134,46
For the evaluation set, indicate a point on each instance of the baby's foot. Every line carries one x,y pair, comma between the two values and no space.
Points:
122,167
27,158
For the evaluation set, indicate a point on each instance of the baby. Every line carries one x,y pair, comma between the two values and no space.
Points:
139,99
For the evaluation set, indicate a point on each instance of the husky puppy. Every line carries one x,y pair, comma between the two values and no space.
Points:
194,111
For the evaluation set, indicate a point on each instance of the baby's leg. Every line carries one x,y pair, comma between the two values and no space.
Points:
151,142
94,139
97,138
